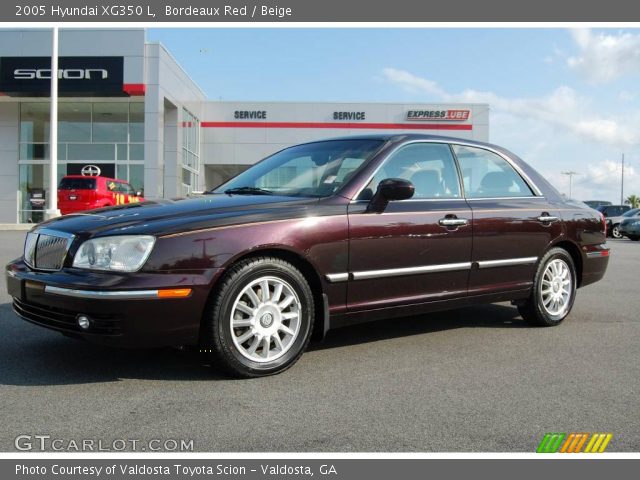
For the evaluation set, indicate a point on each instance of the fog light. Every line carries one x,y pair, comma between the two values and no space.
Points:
83,322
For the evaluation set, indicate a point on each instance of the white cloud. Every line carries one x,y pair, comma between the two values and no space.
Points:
604,57
412,83
562,108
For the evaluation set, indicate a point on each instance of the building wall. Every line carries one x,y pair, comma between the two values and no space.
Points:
226,142
169,89
9,117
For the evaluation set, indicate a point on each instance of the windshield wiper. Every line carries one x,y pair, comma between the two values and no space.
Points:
248,191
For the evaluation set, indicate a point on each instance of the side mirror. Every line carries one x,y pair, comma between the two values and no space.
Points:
390,189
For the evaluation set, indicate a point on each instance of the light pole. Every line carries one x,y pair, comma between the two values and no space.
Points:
622,183
53,211
571,173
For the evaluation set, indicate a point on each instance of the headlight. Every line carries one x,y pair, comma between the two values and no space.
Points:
121,253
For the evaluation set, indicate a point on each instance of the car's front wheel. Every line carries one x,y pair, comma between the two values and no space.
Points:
260,318
615,231
553,292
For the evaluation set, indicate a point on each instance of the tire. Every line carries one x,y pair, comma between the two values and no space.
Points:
287,313
615,231
634,238
541,309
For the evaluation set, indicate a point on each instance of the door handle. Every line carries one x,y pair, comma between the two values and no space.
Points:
453,222
546,218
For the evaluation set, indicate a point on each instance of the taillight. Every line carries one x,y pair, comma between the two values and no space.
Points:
604,223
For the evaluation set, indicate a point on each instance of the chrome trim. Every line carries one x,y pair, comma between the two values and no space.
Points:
507,262
547,218
453,222
525,177
395,272
107,295
527,197
337,277
52,233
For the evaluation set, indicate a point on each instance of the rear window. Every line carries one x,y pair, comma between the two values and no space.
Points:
77,184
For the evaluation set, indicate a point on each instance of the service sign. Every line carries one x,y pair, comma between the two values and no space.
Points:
438,115
77,76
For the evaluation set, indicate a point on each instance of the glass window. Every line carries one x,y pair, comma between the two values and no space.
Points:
136,177
91,151
136,122
121,172
487,175
186,177
77,184
124,188
136,151
304,170
429,166
74,122
33,188
110,122
34,122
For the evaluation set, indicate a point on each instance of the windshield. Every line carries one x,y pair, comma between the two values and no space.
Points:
631,213
309,170
77,184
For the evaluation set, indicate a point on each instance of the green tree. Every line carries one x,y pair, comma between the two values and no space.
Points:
633,200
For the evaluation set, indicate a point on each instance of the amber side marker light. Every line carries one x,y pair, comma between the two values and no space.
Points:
174,293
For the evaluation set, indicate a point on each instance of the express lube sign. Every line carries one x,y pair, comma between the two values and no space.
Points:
438,115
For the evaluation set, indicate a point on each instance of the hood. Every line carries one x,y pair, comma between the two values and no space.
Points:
163,217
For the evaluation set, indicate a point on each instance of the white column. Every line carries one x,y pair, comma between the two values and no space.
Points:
53,211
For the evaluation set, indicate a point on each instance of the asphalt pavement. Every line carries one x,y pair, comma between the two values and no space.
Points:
473,379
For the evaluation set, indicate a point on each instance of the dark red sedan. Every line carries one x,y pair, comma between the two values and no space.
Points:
317,236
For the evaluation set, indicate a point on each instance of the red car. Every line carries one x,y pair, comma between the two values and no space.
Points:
77,193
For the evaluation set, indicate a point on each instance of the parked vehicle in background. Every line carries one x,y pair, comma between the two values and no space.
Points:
630,225
613,223
77,193
317,236
613,215
597,203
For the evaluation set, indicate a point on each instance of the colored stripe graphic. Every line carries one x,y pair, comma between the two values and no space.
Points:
574,443
598,443
336,125
551,442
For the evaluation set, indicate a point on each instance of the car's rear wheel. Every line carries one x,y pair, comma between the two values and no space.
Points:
615,231
553,292
260,318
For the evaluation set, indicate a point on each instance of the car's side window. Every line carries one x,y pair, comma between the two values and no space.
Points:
486,174
429,166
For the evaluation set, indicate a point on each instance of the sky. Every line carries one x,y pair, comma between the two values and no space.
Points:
562,99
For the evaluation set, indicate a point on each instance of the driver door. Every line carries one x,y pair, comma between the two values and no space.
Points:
416,250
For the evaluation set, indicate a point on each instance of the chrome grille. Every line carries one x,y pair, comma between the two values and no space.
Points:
46,249
30,248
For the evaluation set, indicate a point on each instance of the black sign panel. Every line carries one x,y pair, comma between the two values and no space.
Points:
77,76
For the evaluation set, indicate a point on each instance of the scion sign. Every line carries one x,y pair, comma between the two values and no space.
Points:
85,76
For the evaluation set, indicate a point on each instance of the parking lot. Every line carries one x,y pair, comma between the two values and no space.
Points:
474,379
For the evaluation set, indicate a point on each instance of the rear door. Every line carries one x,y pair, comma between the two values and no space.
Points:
417,250
512,224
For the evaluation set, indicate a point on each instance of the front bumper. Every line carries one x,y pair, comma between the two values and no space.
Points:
125,310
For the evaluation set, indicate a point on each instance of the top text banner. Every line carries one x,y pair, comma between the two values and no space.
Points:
32,11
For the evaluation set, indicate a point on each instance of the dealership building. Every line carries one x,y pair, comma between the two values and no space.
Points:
128,107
